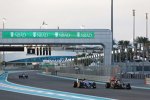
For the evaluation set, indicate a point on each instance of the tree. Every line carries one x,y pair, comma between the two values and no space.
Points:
126,44
143,42
123,44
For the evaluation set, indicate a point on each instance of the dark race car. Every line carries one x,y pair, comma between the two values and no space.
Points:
83,83
117,84
23,76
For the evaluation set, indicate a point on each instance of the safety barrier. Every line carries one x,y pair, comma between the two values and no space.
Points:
88,77
135,76
147,81
3,75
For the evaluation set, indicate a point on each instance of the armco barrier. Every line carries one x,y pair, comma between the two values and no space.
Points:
147,81
88,77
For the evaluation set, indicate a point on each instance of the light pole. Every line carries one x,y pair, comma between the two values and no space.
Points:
112,26
112,53
126,58
112,19
146,25
44,25
4,21
126,52
134,31
116,53
119,55
133,67
146,31
143,58
133,26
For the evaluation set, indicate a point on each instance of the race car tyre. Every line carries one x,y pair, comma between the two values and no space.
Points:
20,77
26,77
75,84
94,85
107,85
128,86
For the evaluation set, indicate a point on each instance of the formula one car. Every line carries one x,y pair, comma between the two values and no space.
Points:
23,76
117,84
83,83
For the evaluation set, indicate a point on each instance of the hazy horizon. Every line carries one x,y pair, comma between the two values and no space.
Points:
72,14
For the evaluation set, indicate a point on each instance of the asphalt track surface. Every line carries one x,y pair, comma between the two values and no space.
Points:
5,95
47,82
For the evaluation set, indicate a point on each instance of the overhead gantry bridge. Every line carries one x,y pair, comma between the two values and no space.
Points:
59,37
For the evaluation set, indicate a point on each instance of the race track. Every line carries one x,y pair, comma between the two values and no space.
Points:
53,83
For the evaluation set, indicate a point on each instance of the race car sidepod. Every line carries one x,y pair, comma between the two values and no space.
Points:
82,83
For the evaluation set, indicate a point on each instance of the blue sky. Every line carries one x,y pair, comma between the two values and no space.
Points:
75,13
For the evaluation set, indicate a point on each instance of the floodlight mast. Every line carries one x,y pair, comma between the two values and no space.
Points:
3,22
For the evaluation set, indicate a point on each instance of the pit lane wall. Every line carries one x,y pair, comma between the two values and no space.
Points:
147,81
82,76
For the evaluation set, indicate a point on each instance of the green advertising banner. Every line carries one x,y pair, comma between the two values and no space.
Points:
28,34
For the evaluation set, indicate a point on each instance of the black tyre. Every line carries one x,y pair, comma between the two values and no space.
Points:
75,84
94,85
128,86
107,85
20,76
26,77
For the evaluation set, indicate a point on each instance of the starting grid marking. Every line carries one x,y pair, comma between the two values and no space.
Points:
8,86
